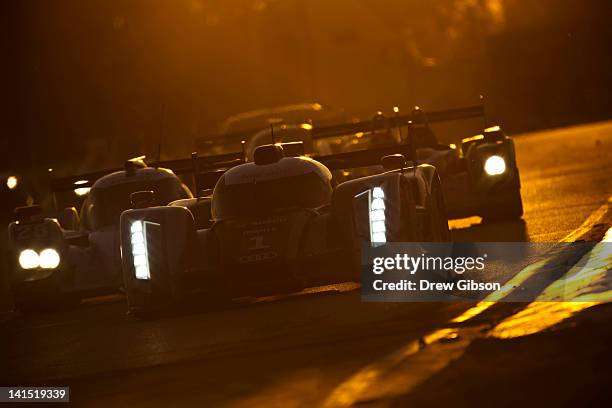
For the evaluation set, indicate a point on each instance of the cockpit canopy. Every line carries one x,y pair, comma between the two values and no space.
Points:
110,195
264,186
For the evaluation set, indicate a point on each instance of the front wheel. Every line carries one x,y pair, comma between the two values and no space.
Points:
437,230
512,209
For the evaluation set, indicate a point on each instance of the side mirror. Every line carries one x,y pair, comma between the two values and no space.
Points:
393,162
142,199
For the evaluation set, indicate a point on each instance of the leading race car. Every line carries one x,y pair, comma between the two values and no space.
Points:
480,177
61,256
277,224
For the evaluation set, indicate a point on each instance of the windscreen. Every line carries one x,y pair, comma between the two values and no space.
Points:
308,190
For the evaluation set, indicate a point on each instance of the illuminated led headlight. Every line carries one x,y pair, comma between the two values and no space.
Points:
49,258
495,165
378,230
29,259
139,250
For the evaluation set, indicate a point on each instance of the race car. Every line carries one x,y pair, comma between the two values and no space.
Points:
59,257
246,122
480,177
288,121
277,224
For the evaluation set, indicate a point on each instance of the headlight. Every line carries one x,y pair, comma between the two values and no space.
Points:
139,250
49,258
495,165
29,259
378,230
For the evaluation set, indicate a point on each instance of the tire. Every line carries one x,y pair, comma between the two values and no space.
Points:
408,220
353,268
437,230
439,222
511,210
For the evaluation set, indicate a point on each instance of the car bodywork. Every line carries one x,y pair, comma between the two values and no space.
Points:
61,256
480,177
277,224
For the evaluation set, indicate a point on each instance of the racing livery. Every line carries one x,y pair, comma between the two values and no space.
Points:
277,224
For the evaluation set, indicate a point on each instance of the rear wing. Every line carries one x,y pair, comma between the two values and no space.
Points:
320,132
445,115
370,157
197,166
363,158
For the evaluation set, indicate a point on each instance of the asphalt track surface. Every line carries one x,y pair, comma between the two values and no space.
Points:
320,348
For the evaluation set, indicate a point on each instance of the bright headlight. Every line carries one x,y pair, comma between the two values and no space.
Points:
49,258
139,250
29,259
495,165
378,230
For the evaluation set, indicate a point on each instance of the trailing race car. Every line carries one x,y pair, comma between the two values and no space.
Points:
277,224
289,121
480,177
59,257
252,121
483,178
